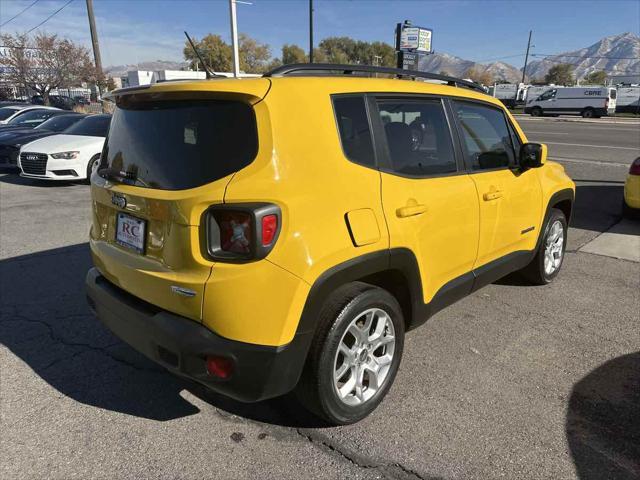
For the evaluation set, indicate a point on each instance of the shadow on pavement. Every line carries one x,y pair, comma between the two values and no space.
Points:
45,322
597,207
603,421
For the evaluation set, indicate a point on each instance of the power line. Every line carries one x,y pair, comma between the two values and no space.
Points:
50,16
580,56
501,58
16,16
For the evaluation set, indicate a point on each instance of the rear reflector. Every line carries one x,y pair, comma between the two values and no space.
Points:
220,367
269,229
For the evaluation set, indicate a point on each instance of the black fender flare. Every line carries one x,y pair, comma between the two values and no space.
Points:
559,196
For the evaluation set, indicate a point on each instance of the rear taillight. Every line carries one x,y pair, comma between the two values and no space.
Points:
635,167
242,232
606,103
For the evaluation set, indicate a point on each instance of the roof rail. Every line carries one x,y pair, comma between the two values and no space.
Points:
350,69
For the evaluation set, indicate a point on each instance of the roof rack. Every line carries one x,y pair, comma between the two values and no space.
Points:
327,68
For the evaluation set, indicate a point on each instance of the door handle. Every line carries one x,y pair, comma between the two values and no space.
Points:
411,210
492,195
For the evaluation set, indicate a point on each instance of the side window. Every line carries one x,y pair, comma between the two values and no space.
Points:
486,138
418,137
548,95
353,125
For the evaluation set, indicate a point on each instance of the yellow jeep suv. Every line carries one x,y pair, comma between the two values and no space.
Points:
284,232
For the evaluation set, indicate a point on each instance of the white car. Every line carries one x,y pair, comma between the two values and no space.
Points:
14,111
71,155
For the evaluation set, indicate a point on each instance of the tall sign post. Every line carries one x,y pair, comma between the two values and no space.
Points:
234,38
412,45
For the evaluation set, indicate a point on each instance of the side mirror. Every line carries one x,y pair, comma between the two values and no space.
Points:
532,155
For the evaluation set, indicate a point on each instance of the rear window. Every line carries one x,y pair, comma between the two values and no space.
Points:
612,94
175,145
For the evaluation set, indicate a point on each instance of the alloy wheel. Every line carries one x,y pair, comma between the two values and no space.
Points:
364,356
553,249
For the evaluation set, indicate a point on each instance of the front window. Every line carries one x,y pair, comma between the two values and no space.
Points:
548,95
486,138
59,123
93,126
181,144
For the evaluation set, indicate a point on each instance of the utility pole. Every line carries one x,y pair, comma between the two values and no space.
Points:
526,57
310,31
94,42
234,38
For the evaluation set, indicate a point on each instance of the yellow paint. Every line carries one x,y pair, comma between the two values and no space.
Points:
363,226
632,191
300,166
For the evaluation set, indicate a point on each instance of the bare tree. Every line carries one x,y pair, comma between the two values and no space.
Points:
45,62
478,76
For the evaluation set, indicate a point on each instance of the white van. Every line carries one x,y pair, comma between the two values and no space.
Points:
507,93
628,100
590,102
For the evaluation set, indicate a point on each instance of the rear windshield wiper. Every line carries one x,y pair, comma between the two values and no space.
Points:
129,178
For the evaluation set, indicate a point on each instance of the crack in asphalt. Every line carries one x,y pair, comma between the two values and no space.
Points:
393,470
85,347
390,470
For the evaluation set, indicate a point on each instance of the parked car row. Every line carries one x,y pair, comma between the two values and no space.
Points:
65,146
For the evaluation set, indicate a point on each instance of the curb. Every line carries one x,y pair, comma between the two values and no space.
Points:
597,121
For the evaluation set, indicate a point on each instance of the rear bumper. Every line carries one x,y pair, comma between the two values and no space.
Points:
181,345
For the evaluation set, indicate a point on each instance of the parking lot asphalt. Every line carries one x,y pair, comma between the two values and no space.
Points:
514,381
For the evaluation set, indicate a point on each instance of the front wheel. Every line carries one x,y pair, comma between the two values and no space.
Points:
536,112
93,163
355,356
546,264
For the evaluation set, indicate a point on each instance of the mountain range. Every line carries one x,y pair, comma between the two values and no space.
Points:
622,54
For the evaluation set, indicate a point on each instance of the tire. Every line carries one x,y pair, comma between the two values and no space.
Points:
588,113
538,271
344,312
94,160
536,112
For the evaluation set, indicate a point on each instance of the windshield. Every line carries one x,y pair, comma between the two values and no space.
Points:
31,118
93,126
6,112
175,145
59,123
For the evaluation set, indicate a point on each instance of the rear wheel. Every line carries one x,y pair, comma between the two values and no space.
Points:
588,113
546,264
536,112
355,355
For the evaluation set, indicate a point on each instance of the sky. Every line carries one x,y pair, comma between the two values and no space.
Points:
131,31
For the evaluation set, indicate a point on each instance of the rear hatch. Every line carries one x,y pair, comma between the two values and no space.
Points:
169,155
